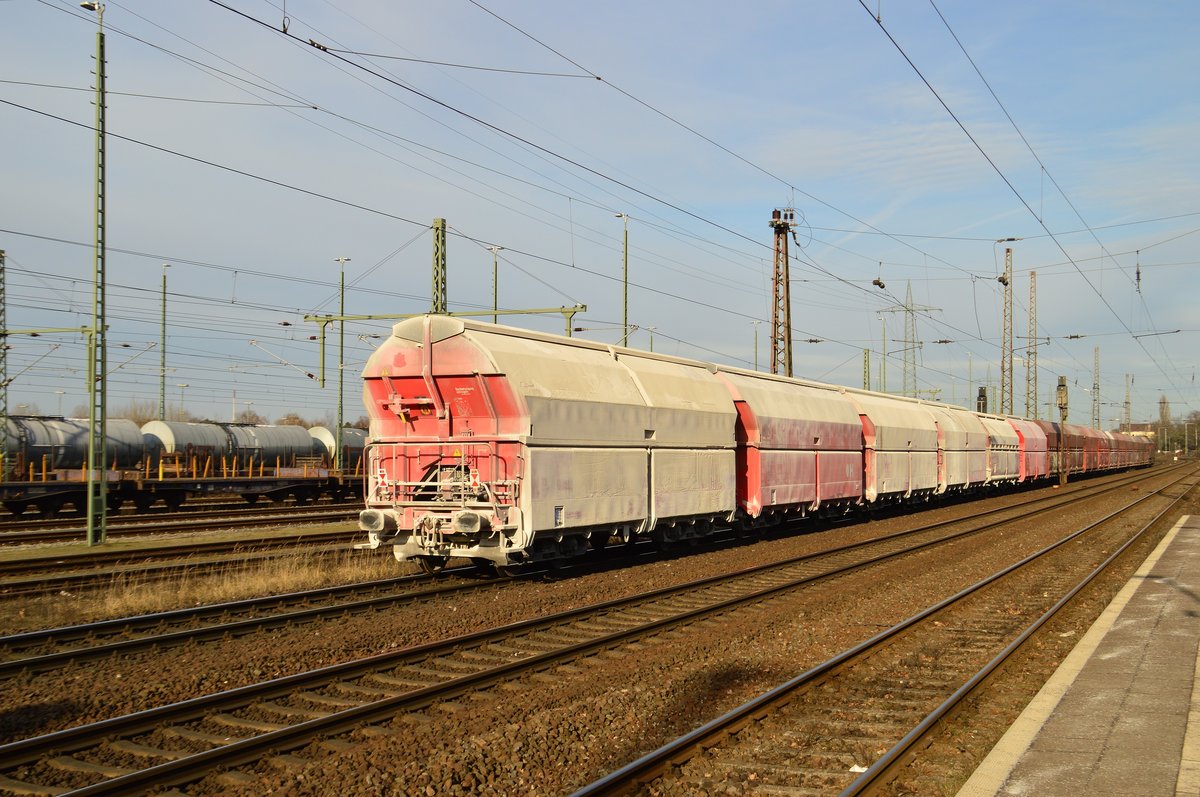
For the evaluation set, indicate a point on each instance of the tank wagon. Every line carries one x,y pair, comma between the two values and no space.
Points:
353,442
62,443
508,446
266,445
45,458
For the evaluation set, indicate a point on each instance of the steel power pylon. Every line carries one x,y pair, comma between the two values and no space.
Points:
1096,388
782,222
911,344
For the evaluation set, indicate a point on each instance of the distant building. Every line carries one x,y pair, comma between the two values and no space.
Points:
1148,430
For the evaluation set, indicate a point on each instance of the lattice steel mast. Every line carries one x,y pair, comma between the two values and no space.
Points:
1031,394
911,344
440,302
1006,342
97,370
1127,421
782,222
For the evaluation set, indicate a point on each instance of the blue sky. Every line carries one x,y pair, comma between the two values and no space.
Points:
707,118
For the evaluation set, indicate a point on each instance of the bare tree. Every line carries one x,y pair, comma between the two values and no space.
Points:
139,412
250,416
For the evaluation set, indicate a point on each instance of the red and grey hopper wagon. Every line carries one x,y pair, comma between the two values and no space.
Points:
508,446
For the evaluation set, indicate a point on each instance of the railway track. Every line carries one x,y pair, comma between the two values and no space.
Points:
822,732
91,568
42,650
184,742
35,532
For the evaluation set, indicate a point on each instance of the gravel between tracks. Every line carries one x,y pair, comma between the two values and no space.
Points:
555,732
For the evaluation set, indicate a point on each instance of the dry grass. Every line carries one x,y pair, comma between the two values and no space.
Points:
128,595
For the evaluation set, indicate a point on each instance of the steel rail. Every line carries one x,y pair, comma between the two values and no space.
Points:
197,560
189,767
80,655
41,663
886,765
33,532
654,764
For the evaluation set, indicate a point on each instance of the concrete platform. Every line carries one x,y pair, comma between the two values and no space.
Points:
1121,715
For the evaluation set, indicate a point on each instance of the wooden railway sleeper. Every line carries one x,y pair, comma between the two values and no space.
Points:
144,750
200,736
71,764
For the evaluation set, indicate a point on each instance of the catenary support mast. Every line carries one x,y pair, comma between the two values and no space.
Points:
782,222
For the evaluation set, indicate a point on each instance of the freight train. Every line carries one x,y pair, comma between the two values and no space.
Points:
44,460
509,447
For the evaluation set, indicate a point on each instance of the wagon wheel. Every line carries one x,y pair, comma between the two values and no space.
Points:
433,564
50,505
745,529
485,567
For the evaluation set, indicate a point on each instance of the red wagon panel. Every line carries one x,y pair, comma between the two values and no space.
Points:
799,444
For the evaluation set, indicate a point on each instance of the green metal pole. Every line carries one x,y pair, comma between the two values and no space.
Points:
97,470
755,325
625,281
495,283
440,299
337,437
162,351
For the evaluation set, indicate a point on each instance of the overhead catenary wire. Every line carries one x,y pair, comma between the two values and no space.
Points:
672,119
224,75
1013,189
810,263
1044,170
817,279
521,139
459,66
